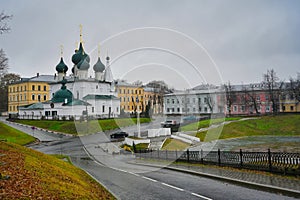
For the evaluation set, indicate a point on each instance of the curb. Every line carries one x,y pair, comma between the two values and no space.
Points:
45,130
93,177
285,191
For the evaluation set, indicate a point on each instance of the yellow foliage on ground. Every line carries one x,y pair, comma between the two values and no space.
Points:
34,175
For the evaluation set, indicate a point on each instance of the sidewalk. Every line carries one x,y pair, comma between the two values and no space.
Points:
262,180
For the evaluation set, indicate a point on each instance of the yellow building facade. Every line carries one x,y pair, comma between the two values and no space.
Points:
136,98
131,98
28,91
289,105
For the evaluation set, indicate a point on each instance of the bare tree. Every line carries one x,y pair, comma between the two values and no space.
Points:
273,85
230,96
5,81
251,98
3,63
4,77
138,83
4,28
160,89
209,102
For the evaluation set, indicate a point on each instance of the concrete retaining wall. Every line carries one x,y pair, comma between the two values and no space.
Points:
189,137
181,139
130,141
159,132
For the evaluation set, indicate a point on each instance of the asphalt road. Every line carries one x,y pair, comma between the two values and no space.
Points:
131,181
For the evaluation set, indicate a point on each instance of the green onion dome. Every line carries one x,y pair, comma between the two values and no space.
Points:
61,95
83,64
80,55
61,67
99,66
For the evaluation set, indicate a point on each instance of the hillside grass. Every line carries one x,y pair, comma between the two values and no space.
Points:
281,125
81,128
138,147
206,123
173,144
13,135
34,175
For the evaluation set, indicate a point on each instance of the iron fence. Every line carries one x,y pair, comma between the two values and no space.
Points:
277,162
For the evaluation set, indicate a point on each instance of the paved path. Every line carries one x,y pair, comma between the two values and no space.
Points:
42,135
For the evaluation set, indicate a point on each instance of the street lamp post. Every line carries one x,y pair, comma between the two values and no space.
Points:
138,124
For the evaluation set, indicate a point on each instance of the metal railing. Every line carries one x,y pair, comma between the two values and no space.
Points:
277,162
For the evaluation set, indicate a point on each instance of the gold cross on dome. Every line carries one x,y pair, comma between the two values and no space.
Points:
61,50
99,50
80,29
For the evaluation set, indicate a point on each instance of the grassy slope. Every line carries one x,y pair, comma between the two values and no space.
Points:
14,135
205,123
286,125
34,175
81,127
173,144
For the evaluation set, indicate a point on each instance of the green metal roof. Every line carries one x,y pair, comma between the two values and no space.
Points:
76,102
34,106
93,96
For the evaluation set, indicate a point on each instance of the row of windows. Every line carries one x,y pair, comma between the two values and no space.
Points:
13,108
187,110
20,88
131,99
291,108
188,100
131,107
242,108
38,97
23,97
123,91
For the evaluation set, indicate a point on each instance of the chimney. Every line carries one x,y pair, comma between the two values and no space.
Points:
37,74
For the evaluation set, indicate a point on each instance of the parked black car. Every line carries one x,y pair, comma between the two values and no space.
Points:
118,135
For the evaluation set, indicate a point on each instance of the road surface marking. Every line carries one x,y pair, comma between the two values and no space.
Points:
121,170
133,173
98,163
174,187
150,179
198,195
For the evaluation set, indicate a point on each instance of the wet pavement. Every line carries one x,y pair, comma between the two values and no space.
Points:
287,183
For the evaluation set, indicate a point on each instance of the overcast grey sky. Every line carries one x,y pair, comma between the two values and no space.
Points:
240,39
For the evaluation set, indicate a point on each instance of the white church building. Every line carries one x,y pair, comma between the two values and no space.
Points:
78,95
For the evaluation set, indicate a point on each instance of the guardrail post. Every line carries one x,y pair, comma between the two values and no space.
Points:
202,156
219,157
188,155
269,160
166,154
241,158
176,155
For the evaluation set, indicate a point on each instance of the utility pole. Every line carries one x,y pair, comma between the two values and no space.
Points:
138,117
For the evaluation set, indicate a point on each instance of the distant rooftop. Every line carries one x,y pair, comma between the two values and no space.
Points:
37,78
124,83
